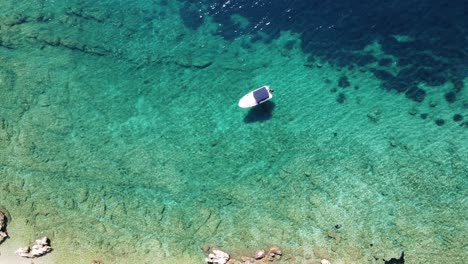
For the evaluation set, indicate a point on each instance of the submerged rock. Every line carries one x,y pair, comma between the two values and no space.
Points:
217,257
373,116
457,117
41,248
450,97
440,122
274,253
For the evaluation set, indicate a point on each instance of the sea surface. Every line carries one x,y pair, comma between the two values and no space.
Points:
121,139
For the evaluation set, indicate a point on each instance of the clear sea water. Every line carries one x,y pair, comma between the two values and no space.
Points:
121,139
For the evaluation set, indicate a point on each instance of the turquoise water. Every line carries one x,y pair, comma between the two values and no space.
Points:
121,139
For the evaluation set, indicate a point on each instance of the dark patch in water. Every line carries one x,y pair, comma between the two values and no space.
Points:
396,84
382,74
457,85
341,98
416,94
343,82
190,15
260,113
434,51
450,97
385,62
440,122
457,117
289,45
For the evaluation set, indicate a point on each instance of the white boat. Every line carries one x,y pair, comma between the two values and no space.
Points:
256,97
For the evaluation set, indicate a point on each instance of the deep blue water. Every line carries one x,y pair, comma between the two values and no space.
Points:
336,30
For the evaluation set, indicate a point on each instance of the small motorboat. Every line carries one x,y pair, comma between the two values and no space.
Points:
256,97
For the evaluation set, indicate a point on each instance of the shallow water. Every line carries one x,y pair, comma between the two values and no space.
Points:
121,138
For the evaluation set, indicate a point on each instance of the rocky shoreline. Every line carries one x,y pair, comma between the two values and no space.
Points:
273,254
40,248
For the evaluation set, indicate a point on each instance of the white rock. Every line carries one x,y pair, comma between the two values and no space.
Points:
260,254
42,241
275,251
3,236
217,257
23,252
325,261
41,248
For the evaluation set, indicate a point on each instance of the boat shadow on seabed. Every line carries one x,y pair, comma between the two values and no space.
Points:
260,113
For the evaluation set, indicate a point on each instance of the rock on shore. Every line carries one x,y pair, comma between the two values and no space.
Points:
217,257
41,248
3,224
